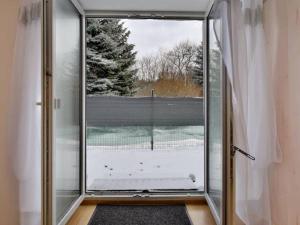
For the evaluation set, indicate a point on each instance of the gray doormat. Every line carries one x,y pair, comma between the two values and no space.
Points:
140,215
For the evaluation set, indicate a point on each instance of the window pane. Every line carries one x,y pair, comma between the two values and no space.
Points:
67,113
214,118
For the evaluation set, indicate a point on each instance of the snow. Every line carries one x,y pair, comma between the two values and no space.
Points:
112,64
176,162
173,164
158,169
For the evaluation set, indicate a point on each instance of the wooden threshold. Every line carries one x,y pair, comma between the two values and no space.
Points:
138,201
200,214
82,215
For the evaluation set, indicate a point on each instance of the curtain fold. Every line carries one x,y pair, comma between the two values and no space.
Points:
243,47
25,115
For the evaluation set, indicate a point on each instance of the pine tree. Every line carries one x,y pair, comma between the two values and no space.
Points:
110,58
215,60
198,67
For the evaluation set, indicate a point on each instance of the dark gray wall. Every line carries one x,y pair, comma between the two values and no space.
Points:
144,111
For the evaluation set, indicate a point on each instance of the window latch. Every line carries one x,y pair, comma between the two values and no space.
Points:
235,149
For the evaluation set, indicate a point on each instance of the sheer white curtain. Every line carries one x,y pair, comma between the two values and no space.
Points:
254,117
25,114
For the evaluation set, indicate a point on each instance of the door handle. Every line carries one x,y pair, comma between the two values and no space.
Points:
57,103
235,149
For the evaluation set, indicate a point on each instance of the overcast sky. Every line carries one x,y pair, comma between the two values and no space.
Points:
151,35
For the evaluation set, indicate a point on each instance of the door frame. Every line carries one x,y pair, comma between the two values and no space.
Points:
48,168
133,195
227,207
47,184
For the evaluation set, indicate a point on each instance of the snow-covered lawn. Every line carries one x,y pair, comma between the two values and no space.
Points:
176,162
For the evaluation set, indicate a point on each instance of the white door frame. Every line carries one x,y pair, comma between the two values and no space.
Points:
227,207
48,198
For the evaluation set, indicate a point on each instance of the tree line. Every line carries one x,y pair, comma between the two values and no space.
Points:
113,68
185,60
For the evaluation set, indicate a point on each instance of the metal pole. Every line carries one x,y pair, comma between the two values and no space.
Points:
152,124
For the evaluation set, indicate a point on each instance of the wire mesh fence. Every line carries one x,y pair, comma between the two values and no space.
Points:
146,138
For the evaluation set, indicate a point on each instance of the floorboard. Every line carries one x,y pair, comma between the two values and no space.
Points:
200,214
82,215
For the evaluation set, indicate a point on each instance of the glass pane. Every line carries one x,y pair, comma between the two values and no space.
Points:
214,118
67,113
145,123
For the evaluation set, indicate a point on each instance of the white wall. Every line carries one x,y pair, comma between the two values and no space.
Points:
282,25
8,184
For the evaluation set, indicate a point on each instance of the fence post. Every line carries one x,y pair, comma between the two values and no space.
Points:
152,125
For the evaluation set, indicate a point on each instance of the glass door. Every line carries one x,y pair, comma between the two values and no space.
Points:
216,122
65,97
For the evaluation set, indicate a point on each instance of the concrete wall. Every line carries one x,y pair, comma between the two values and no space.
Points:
8,183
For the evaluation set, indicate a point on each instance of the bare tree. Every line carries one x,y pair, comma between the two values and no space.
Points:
166,70
148,68
181,58
173,64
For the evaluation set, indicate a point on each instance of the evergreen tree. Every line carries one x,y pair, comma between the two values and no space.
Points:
110,58
198,66
215,62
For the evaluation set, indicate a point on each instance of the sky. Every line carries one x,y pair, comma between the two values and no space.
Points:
149,36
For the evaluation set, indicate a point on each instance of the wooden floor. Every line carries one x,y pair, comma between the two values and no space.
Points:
198,212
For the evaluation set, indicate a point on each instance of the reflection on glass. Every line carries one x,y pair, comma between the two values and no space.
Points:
67,113
145,123
214,119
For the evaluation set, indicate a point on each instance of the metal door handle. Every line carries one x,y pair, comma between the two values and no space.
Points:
236,149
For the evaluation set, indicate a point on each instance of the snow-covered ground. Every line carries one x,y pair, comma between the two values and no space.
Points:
176,162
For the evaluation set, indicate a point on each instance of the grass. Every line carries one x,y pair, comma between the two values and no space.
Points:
170,88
